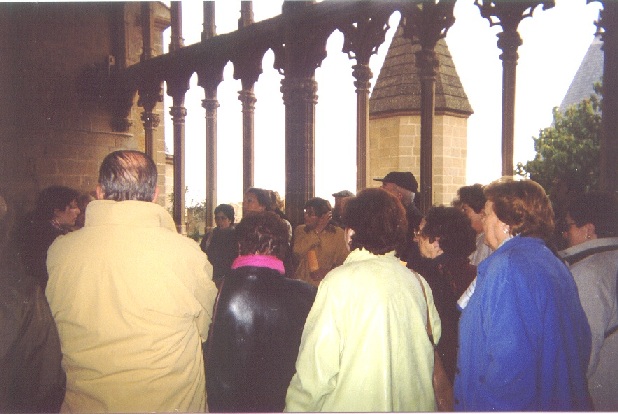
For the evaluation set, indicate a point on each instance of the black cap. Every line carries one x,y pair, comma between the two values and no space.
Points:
343,193
403,179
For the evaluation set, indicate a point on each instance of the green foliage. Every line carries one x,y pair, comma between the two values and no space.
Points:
196,216
571,146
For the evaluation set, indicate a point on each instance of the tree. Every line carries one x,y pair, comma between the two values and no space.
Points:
570,147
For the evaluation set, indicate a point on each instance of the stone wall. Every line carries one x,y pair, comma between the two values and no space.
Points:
55,123
395,145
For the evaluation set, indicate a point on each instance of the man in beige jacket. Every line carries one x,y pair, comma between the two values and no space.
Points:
132,299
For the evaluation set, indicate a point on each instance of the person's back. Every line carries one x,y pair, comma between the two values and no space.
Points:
31,376
221,251
254,339
365,346
532,301
132,300
592,236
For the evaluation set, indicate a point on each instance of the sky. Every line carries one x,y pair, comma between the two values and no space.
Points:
554,43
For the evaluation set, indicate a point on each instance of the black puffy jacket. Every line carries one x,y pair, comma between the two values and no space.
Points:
254,338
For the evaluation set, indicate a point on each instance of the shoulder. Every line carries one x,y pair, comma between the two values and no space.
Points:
365,270
598,265
253,282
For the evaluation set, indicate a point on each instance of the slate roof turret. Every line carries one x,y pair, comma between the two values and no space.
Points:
590,71
398,88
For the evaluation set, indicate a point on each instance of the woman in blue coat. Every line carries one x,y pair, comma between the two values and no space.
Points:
524,339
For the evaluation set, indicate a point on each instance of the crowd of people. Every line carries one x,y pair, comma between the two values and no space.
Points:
105,307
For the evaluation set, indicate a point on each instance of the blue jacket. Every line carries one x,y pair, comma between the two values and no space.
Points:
524,341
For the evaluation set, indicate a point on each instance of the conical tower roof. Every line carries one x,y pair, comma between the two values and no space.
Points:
398,86
590,71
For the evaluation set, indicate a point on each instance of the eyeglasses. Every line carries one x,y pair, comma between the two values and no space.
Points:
567,226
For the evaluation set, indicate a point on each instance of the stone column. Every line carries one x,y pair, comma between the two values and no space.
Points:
150,93
209,78
609,135
362,73
247,70
149,96
361,40
177,89
176,40
425,24
509,15
299,97
302,51
247,97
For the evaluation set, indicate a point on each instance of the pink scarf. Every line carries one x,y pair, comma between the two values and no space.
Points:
258,260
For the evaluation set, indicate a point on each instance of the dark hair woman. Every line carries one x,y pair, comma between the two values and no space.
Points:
447,239
524,341
257,324
54,214
220,244
365,345
259,199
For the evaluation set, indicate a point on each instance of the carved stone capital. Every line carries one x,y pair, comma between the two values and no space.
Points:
150,120
363,37
210,105
427,22
362,74
296,89
149,96
247,97
178,114
509,42
302,52
509,14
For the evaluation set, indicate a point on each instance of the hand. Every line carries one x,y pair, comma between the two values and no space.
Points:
318,274
323,221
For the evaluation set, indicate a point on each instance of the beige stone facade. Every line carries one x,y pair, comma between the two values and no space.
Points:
395,124
395,145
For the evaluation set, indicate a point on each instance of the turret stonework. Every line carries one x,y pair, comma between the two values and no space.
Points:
394,126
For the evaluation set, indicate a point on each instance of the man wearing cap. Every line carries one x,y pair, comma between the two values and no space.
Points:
340,199
404,186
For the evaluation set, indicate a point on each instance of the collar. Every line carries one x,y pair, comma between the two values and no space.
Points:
258,260
358,255
129,213
329,228
61,229
580,251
